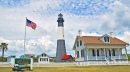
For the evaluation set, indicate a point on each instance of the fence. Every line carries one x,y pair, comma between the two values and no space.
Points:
102,63
65,64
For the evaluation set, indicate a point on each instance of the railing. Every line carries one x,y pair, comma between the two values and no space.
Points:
117,57
101,58
94,58
79,59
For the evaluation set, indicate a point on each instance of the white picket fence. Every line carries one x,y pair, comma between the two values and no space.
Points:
65,64
102,63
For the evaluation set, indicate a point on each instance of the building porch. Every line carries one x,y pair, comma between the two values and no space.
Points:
101,54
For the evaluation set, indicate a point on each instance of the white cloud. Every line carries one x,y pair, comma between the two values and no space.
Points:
126,2
126,37
76,16
36,46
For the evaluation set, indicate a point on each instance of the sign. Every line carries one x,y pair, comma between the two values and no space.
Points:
22,61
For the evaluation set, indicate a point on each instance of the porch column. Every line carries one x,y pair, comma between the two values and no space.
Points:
87,53
80,54
111,54
104,53
126,53
96,53
75,55
119,53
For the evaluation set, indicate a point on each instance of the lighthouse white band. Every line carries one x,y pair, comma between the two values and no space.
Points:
61,32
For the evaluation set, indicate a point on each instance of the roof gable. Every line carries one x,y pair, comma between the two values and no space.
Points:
105,38
43,54
75,42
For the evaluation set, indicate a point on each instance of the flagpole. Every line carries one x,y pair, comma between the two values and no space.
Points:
25,36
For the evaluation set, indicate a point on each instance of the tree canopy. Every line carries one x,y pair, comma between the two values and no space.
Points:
3,47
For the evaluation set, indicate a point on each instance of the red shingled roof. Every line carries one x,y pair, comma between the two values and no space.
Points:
65,57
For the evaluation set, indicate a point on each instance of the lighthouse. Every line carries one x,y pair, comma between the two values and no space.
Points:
61,49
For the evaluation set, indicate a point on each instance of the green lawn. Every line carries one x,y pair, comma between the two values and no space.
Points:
75,69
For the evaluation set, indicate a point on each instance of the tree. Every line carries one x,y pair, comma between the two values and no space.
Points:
3,47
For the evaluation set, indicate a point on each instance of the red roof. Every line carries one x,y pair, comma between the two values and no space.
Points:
65,57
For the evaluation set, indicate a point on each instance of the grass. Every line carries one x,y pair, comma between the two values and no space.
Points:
75,69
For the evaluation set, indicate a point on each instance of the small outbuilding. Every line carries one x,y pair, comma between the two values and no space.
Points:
43,58
10,59
67,58
29,55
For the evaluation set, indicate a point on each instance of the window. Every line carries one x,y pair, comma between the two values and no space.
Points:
80,42
106,39
45,55
77,54
106,53
97,52
109,53
45,59
93,52
60,24
113,52
77,44
82,53
40,59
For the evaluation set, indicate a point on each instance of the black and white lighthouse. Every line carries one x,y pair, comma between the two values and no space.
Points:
61,49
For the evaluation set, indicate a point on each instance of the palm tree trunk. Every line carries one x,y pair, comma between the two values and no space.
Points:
2,54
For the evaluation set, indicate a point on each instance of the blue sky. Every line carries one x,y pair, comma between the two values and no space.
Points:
94,17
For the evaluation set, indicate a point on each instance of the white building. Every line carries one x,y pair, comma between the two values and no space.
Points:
99,48
10,59
43,58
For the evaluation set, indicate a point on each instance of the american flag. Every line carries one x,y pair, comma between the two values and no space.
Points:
31,24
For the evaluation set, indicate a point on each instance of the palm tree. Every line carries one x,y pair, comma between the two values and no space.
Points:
3,47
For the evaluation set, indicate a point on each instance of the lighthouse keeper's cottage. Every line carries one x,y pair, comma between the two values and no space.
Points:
99,48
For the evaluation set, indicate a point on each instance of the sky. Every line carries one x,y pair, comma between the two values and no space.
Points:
93,17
